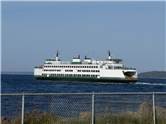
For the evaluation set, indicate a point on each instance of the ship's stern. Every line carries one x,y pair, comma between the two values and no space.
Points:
38,71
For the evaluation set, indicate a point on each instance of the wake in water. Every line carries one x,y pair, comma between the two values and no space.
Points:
148,83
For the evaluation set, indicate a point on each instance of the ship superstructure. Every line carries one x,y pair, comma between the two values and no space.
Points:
109,70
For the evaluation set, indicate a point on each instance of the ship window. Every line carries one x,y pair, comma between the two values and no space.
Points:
68,70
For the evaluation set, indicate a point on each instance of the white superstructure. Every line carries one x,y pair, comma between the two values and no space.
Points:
108,70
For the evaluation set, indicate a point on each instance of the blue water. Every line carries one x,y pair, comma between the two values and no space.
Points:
64,105
12,83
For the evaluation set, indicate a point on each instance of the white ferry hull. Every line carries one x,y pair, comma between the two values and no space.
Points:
108,80
102,76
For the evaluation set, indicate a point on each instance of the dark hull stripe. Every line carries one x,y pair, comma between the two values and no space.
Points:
120,80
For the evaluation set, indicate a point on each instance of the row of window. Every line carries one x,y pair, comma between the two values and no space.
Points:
115,67
68,70
72,70
70,75
88,70
71,66
52,70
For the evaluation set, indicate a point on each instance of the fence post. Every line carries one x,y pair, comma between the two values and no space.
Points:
22,112
93,108
154,109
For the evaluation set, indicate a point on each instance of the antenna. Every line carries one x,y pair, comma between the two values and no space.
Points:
109,55
78,56
57,54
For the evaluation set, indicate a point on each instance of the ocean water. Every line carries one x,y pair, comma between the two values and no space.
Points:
12,83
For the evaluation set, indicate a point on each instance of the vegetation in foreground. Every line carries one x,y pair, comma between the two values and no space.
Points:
142,116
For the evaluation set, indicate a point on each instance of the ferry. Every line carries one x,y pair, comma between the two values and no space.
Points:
87,69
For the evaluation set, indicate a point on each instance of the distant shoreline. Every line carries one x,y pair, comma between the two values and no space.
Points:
152,75
18,73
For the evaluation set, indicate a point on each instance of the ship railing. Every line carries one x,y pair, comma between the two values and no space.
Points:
87,108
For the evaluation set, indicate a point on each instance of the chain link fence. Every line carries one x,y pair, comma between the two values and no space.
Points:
83,108
11,109
160,102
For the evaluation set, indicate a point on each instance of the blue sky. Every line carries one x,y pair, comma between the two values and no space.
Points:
34,31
